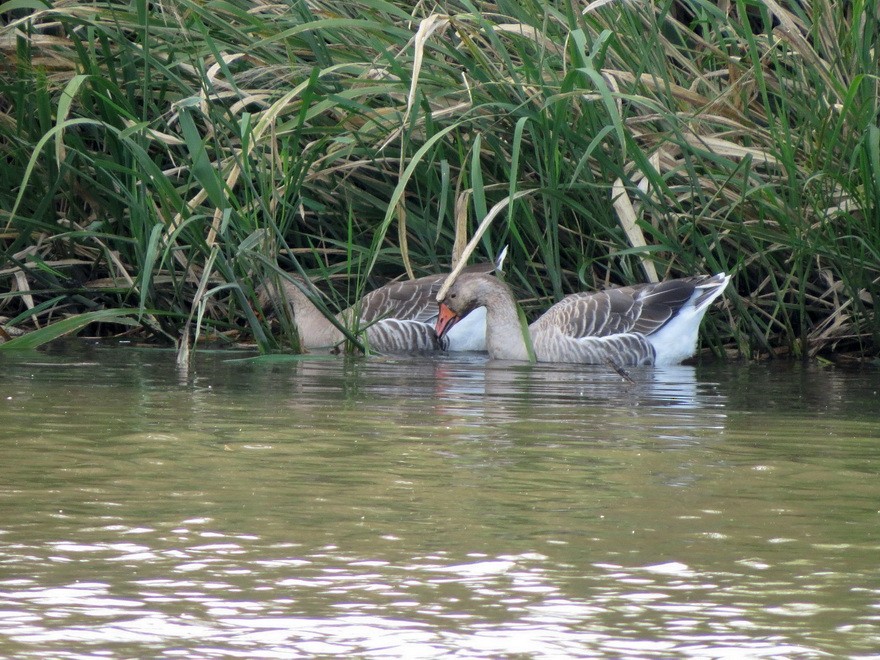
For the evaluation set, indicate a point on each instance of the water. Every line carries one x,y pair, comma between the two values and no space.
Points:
434,508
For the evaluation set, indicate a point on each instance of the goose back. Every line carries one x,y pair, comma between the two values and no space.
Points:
406,299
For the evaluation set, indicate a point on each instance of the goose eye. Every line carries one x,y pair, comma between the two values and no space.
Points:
452,295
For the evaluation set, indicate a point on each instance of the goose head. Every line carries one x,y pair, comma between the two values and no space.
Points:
469,292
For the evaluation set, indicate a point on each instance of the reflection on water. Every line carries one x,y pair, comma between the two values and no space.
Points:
434,507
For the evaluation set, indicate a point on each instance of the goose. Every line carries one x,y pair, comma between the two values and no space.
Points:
396,318
645,324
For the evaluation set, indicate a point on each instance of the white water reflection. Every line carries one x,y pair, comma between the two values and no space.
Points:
534,615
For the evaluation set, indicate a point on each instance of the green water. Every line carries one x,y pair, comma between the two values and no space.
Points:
422,508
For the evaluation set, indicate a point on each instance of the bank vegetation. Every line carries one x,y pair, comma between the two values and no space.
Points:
160,159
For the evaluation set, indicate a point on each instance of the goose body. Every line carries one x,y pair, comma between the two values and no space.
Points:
414,302
396,318
645,324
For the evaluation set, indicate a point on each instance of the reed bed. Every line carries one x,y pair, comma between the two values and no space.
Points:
162,159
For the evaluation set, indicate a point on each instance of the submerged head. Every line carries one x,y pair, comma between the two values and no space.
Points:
272,296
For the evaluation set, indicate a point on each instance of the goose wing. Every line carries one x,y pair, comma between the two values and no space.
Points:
412,300
641,309
594,328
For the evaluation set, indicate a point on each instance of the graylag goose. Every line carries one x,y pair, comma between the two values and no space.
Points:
645,324
396,318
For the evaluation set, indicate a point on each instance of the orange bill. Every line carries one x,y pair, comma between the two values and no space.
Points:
445,320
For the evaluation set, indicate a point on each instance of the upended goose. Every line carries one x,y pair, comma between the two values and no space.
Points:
645,324
396,318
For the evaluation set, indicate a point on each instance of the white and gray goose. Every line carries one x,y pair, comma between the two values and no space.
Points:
396,318
645,324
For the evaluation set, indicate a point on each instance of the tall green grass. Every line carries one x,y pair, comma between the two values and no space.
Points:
165,157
